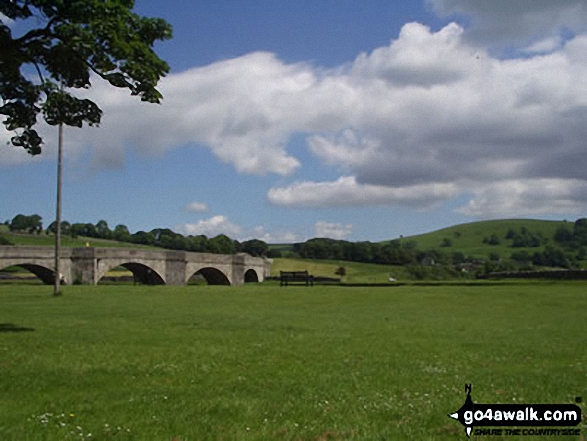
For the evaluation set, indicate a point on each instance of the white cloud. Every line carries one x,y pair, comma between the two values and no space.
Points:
415,123
545,45
532,197
241,109
418,57
346,191
518,22
347,149
279,236
333,230
212,227
222,225
196,207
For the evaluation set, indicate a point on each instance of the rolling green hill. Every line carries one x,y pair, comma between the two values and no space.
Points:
468,238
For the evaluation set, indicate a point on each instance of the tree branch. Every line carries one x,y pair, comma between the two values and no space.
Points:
36,33
39,72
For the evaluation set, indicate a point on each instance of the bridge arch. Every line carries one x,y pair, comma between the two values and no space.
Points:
212,275
141,272
251,276
44,274
87,265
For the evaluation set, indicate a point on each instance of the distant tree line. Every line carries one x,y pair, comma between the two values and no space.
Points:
573,238
30,224
551,256
394,252
525,239
159,237
564,249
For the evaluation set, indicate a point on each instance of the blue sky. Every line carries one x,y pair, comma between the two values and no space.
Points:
354,120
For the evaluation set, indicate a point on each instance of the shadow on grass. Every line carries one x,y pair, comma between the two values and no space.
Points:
11,327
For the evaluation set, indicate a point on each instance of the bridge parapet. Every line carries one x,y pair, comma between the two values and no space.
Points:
88,265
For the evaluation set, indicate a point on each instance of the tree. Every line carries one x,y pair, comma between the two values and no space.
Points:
66,41
221,244
65,228
564,236
521,257
551,256
175,242
161,233
80,229
492,240
32,223
274,253
102,230
255,247
198,244
121,233
458,257
580,231
143,238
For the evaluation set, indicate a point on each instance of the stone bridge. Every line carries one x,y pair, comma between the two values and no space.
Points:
153,267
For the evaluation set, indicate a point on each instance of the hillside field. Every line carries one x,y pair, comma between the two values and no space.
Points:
468,238
44,240
356,272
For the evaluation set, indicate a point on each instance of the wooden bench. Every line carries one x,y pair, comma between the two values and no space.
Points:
295,276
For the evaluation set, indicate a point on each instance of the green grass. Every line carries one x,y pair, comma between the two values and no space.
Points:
468,238
356,272
42,240
262,362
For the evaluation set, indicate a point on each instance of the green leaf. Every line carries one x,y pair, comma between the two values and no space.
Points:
67,41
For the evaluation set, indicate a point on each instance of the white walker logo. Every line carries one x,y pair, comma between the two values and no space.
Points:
472,415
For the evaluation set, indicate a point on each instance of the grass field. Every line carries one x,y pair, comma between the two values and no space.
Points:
262,362
468,238
44,240
356,272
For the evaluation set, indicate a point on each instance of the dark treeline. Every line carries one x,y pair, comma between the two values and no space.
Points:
575,238
159,237
564,249
393,252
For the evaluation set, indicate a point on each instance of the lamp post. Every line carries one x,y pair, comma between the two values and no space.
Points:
56,291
